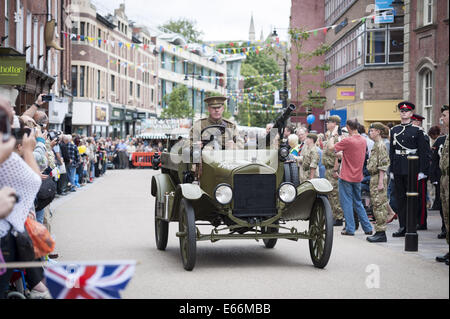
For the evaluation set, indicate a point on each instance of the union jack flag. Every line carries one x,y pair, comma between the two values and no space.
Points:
87,281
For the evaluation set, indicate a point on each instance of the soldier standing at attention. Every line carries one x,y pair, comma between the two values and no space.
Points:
310,158
406,139
377,165
331,163
444,165
422,184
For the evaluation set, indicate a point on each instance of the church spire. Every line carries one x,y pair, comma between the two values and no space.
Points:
252,34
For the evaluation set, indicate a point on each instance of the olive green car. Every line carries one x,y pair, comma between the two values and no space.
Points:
241,194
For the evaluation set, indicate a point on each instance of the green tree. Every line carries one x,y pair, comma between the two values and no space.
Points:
258,91
185,27
307,93
177,104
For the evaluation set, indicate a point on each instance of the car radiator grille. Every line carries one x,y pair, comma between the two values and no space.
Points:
254,195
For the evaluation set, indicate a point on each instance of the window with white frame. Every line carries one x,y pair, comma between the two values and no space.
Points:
41,48
427,12
28,39
19,26
6,42
427,97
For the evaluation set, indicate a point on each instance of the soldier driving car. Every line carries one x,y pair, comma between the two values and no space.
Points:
406,139
215,120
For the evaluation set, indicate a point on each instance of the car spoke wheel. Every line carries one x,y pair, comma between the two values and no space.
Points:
270,243
321,232
161,230
188,235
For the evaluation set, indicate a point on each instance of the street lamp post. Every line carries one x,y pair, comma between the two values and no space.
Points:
284,93
186,78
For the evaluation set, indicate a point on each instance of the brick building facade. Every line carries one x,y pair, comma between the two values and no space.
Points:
306,15
26,27
114,73
426,72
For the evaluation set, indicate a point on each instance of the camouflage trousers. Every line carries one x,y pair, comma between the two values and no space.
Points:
333,197
444,200
379,201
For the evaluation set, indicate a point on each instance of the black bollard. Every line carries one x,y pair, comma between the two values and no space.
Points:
412,197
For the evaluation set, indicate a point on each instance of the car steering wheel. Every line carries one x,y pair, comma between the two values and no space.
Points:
205,142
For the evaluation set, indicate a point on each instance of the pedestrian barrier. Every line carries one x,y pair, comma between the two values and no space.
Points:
143,159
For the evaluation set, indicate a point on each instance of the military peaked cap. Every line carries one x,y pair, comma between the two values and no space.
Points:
334,118
378,126
313,136
215,101
405,105
417,117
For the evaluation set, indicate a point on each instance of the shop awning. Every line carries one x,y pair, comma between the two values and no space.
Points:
152,136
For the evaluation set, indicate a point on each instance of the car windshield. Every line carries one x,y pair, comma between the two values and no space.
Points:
241,157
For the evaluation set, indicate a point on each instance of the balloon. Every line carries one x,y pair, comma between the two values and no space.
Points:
311,119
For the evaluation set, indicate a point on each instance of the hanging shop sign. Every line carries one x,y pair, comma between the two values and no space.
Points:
13,67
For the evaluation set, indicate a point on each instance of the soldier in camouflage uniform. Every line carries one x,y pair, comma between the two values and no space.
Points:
331,164
310,158
377,165
444,166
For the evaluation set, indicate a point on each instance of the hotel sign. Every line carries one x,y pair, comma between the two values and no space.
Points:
13,69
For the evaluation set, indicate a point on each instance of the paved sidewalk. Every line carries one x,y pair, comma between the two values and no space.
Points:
429,245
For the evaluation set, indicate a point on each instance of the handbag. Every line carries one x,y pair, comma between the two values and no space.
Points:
46,193
43,242
24,245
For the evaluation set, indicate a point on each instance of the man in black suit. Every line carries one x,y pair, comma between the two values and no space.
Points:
406,139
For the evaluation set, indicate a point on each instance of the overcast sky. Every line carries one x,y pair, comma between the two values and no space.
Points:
218,20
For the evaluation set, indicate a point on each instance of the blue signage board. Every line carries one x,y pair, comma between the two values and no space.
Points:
342,114
385,17
383,4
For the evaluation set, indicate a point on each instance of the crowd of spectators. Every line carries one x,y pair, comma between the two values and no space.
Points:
38,165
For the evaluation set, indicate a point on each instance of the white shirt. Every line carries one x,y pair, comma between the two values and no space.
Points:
15,173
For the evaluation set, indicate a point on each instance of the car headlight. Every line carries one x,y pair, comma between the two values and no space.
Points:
287,193
284,153
223,194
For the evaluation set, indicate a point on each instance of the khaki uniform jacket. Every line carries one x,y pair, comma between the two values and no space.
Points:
231,132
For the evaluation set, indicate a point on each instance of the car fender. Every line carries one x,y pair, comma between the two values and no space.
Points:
307,193
321,185
161,184
191,192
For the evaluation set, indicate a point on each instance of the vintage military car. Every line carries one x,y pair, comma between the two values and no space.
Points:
241,194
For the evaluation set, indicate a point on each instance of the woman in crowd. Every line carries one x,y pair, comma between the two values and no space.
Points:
22,174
